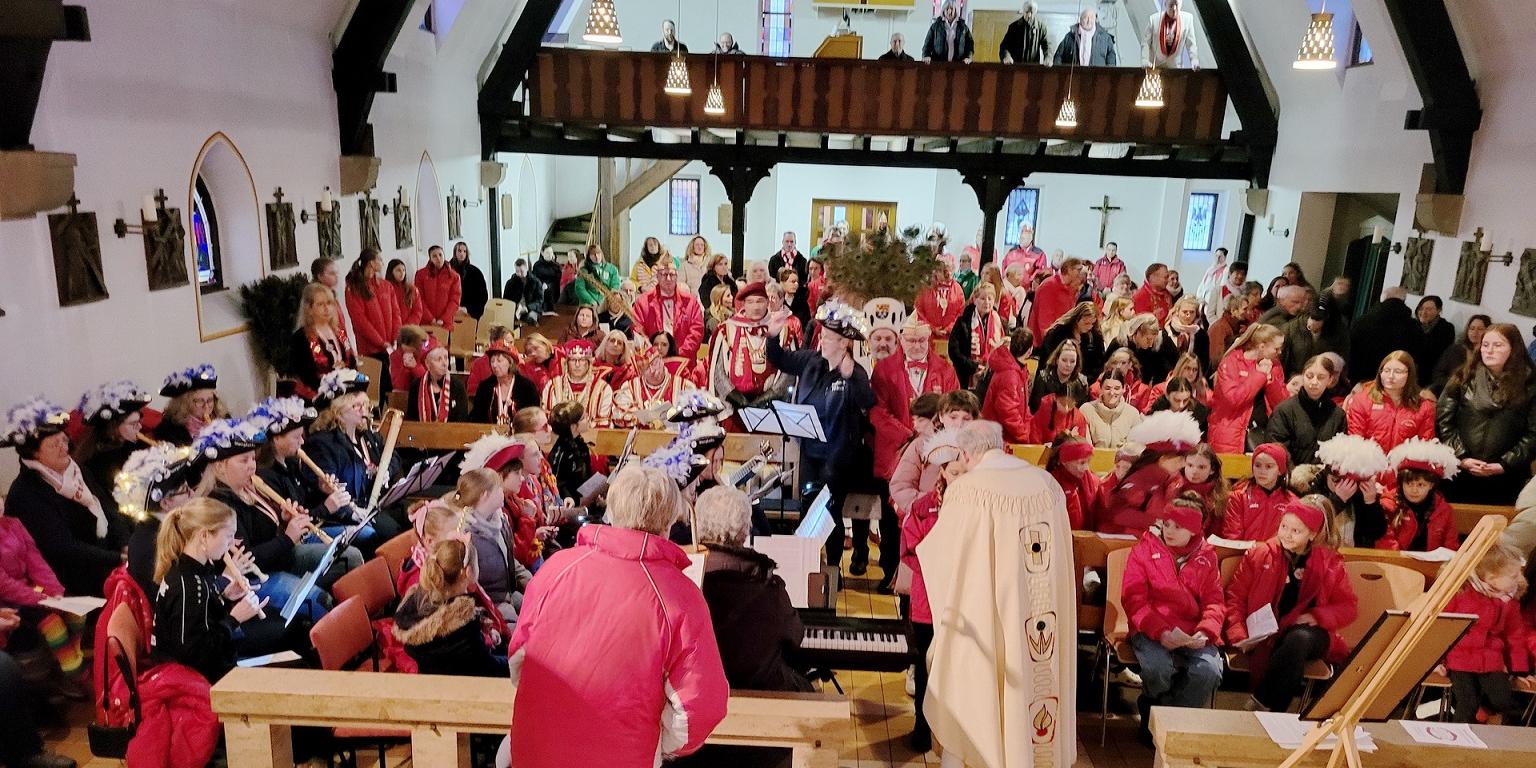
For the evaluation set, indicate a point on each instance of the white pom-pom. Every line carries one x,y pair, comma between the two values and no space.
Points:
1167,428
1429,455
1352,456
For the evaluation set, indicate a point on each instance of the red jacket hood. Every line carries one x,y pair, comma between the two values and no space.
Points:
1002,359
627,544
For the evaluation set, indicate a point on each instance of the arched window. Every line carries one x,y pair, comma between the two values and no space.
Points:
205,237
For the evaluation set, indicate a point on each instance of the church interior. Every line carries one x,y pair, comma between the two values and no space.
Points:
699,234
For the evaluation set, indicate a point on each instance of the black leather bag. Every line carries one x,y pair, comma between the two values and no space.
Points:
112,740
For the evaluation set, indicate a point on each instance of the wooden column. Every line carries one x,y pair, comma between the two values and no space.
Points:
740,179
602,216
992,193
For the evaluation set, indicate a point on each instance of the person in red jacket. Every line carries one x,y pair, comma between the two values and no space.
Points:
408,360
673,310
1493,650
944,453
1068,461
438,290
1137,501
1056,296
1392,408
1060,414
940,303
1007,393
371,305
1174,606
1153,295
1202,474
1254,509
1297,581
1250,368
1419,519
406,294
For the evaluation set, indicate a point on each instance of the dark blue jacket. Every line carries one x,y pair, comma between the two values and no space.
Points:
841,404
334,453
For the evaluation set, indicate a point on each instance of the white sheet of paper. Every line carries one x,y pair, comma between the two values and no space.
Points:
1288,730
1118,536
797,558
1262,623
1443,734
281,657
817,523
1217,541
1440,555
77,605
695,569
1181,637
593,484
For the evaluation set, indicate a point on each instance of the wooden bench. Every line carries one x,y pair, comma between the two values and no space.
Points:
260,707
1234,466
1467,515
430,436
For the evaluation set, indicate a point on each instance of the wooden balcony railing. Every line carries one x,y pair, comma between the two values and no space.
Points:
616,88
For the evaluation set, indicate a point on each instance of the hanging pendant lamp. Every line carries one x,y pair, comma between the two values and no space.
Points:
677,77
1317,44
714,103
1067,117
602,24
1151,94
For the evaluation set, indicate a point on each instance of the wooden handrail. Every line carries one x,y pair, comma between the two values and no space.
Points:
257,709
431,436
1234,466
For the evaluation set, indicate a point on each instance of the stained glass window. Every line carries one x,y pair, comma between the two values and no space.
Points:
683,195
774,40
205,240
1200,228
1023,208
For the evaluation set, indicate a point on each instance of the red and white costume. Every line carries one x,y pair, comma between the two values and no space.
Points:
679,314
635,395
898,381
592,392
940,306
738,358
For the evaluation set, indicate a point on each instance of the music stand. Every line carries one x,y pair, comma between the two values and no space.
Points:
785,420
421,476
296,600
1367,655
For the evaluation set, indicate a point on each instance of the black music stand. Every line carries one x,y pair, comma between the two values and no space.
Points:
785,420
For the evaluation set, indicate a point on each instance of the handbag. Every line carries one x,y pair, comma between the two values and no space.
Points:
903,583
107,739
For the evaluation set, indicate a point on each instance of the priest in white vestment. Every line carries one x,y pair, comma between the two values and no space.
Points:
998,567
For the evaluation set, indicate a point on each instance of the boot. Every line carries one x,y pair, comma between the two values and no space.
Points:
1144,729
40,671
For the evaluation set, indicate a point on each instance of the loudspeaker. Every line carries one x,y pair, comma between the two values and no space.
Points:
1437,213
33,182
1255,202
359,173
507,209
724,218
492,173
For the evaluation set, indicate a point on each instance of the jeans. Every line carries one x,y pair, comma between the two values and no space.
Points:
279,587
1283,679
1470,690
1184,677
19,740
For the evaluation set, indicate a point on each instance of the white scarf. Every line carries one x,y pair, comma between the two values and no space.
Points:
71,485
1085,44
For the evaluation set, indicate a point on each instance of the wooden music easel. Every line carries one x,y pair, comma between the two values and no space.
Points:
1421,617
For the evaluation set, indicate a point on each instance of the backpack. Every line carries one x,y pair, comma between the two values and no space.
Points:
117,709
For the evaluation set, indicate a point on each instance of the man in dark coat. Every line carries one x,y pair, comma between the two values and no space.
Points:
1087,44
1384,328
949,39
1025,41
1436,334
787,256
547,271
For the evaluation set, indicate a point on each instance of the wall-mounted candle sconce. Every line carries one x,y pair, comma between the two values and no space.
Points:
326,204
150,211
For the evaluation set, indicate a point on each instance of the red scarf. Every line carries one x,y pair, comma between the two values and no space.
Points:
1168,35
430,407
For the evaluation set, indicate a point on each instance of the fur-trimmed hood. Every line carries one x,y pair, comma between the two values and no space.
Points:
419,623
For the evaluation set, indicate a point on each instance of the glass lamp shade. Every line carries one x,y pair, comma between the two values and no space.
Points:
677,78
714,103
1067,117
1151,93
1317,44
602,24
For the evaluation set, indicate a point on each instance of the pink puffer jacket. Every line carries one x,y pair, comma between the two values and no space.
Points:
612,632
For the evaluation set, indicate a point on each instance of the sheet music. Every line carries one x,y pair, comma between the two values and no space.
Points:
297,598
1444,734
423,474
781,418
1261,624
281,657
817,523
1287,730
1217,541
77,605
595,483
1440,555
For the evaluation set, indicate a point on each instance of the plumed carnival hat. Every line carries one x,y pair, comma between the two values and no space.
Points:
1166,432
342,381
1352,456
941,448
149,476
578,349
34,419
678,459
280,415
1430,456
1310,516
696,406
190,379
502,347
492,452
226,438
1130,450
752,289
843,320
112,400
704,437
937,230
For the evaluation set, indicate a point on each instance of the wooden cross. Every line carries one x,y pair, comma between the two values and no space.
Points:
1104,210
74,204
278,196
160,198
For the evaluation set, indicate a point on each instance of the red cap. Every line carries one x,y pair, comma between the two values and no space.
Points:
1077,450
501,458
752,289
1310,516
502,347
578,349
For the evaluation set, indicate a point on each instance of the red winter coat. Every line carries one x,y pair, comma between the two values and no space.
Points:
1402,530
1325,593
438,293
1007,400
1159,595
1158,301
179,729
892,414
1085,496
376,320
1238,384
1135,503
1047,422
1495,642
1052,300
687,319
410,309
914,527
1253,514
1386,422
940,320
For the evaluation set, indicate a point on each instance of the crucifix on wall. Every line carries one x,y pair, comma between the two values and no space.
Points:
1104,209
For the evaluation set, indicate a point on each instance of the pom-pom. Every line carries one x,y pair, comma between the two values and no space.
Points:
227,437
678,458
1167,432
695,406
1352,456
1431,456
187,379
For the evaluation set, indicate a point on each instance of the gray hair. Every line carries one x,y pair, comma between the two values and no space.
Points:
644,499
723,515
978,437
1291,292
1135,325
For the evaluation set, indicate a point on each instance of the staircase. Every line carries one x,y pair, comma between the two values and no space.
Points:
570,232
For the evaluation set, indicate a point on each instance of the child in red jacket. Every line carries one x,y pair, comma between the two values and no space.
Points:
1202,474
1059,414
940,451
1256,504
1296,580
1482,662
1136,501
1172,599
1419,519
1067,461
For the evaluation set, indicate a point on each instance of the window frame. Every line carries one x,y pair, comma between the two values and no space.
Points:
203,205
1357,42
766,13
1210,231
673,185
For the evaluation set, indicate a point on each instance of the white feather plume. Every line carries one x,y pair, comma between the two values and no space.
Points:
1181,429
480,451
1431,452
1352,455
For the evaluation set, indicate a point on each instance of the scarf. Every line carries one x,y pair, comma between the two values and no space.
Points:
1182,335
1084,44
950,28
1169,33
71,485
430,407
986,335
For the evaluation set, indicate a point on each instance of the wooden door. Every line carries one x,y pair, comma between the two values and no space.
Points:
987,28
861,216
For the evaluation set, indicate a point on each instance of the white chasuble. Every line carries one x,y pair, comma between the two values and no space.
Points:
1003,665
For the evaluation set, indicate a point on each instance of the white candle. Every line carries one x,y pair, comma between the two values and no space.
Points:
1376,234
326,203
1486,244
150,210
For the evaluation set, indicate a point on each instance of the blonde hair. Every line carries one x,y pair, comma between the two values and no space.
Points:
180,408
330,418
1184,301
448,566
1499,558
1127,331
313,292
1329,536
473,486
724,516
182,524
984,289
644,499
1256,334
1111,322
540,339
432,520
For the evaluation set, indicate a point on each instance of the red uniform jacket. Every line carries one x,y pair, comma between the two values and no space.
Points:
1253,514
892,414
1495,642
1325,593
940,319
1085,495
410,311
1052,300
1386,422
1238,384
1047,422
1007,400
687,318
1403,529
1135,503
400,377
1159,595
376,320
438,292
915,526
1158,301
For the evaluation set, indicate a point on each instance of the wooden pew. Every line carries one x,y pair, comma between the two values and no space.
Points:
260,707
607,442
1467,515
1234,466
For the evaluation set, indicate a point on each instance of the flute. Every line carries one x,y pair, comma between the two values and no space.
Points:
328,482
147,440
287,506
233,572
